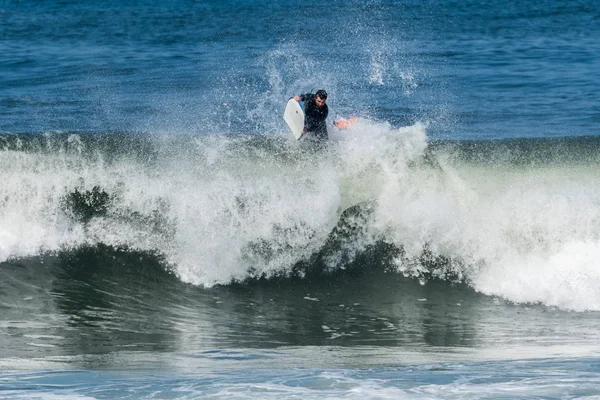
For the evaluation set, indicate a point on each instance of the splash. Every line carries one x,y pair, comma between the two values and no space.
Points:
223,208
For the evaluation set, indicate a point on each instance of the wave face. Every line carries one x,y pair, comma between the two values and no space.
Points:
516,219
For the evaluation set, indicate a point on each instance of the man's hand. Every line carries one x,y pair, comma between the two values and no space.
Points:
297,98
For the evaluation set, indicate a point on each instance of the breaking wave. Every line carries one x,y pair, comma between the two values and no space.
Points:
516,219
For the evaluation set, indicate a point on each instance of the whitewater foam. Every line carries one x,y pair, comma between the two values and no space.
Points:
222,208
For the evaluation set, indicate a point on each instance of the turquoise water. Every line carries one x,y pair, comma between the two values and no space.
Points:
162,235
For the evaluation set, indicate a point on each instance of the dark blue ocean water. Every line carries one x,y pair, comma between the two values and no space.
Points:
470,69
162,235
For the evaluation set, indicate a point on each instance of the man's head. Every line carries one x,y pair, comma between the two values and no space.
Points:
320,97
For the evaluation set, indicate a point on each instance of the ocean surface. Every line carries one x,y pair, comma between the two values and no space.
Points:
163,236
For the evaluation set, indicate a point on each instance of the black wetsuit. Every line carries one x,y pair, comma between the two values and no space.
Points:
314,122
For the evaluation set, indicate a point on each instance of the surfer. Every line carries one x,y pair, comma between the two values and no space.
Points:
316,112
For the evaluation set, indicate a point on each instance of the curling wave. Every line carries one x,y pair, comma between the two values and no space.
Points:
513,219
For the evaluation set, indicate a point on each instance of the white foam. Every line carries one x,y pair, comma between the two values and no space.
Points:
567,278
229,205
528,236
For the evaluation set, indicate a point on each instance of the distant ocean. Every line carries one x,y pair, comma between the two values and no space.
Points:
162,235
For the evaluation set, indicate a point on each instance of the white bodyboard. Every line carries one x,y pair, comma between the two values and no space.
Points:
294,118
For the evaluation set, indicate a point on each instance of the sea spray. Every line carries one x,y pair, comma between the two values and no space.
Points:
224,208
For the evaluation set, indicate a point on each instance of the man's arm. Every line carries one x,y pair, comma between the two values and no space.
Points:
301,97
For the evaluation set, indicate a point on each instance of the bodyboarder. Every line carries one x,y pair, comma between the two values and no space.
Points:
316,111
